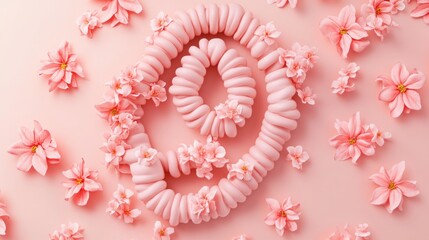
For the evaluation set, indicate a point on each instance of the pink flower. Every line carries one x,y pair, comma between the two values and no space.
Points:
400,90
421,11
344,31
341,85
241,170
267,33
352,140
72,231
3,216
88,22
123,211
344,234
124,120
81,182
36,149
241,237
350,70
62,69
362,232
295,67
297,156
123,195
307,96
146,155
161,232
377,25
118,11
378,136
113,153
111,108
379,9
184,155
203,202
161,21
282,3
392,188
307,55
157,93
398,6
284,216
230,109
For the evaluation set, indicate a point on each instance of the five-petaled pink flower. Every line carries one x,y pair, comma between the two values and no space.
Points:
352,140
282,3
284,216
123,195
297,155
161,21
203,202
3,216
230,109
118,11
72,231
161,232
350,70
241,170
400,90
267,33
307,96
36,149
378,136
120,206
157,92
392,188
81,181
421,11
88,22
62,68
362,232
146,155
344,31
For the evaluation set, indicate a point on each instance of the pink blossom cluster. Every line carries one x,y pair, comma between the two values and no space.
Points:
121,107
298,61
203,156
360,232
241,170
203,202
355,139
3,216
231,109
120,206
346,81
283,216
72,231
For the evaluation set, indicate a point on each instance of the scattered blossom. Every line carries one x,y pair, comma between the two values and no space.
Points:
88,22
268,33
297,155
284,216
241,170
231,109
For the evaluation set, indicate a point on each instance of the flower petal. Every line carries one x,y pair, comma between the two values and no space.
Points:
408,188
380,196
412,100
388,94
395,199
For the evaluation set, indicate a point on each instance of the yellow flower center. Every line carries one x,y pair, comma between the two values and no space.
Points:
244,168
343,31
63,66
392,186
114,112
34,149
146,154
378,11
282,213
352,141
162,232
401,88
79,181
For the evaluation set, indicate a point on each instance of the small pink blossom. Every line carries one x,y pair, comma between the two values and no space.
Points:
377,25
161,21
203,202
157,92
110,108
230,109
343,234
378,136
295,68
113,153
114,149
36,149
362,232
123,195
81,181
184,155
62,68
352,140
421,11
118,10
123,120
146,155
350,70
282,3
88,22
130,84
123,211
241,237
284,216
3,216
298,156
398,6
72,231
267,33
392,188
307,96
344,31
161,232
381,9
400,90
342,85
241,170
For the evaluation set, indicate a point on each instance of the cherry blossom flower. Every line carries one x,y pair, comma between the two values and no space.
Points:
130,84
342,85
297,156
343,234
241,170
400,90
378,136
362,232
421,11
88,22
241,237
352,140
344,31
123,211
282,3
398,6
114,149
123,195
161,232
184,155
118,11
36,149
392,188
307,96
284,216
157,92
146,155
381,9
72,231
161,21
267,33
110,108
203,202
350,70
377,25
81,181
307,53
62,68
123,120
230,109
3,216
113,153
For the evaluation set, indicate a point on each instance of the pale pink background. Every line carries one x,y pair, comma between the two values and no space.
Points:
331,193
